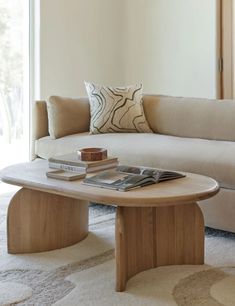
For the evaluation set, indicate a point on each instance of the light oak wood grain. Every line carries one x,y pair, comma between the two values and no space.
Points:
151,237
192,188
39,221
157,225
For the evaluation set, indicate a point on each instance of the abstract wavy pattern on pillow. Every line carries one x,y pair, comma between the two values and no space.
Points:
116,109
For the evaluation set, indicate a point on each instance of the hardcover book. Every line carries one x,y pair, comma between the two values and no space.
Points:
125,178
72,162
65,175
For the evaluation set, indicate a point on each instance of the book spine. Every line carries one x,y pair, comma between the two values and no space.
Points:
83,164
67,167
67,162
102,162
101,168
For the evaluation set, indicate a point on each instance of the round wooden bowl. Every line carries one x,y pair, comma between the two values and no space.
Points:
92,154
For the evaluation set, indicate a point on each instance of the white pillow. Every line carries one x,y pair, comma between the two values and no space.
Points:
116,109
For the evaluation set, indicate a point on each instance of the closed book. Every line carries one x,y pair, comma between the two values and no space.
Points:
82,169
65,175
66,167
73,159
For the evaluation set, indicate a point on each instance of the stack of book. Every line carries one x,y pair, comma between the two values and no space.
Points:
71,162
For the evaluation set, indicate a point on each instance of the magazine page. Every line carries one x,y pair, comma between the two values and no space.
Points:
119,180
128,177
159,175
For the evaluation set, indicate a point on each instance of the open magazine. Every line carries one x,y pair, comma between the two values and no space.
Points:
124,178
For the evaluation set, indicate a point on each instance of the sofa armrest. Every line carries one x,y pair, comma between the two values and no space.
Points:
40,120
39,125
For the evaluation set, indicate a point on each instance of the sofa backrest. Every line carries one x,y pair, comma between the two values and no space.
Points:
191,117
67,116
183,117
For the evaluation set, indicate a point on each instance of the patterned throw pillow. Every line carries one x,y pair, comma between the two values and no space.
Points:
116,109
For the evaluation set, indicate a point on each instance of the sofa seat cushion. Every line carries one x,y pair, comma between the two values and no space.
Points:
209,157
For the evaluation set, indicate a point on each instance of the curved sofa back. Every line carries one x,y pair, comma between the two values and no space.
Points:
183,117
191,117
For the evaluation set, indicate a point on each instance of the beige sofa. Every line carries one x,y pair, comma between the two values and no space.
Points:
194,135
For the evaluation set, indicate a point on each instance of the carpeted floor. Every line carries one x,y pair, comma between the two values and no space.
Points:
84,274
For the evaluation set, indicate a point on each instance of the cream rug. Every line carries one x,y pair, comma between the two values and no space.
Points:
84,274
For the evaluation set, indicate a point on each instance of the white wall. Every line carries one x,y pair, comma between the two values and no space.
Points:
168,45
80,40
172,46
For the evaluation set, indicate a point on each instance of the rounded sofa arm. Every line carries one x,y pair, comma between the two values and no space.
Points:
40,122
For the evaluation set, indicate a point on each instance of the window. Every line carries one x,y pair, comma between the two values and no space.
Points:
14,81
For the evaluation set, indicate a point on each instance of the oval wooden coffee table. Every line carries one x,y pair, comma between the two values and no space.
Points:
157,225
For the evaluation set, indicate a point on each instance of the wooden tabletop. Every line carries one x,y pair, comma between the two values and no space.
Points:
191,188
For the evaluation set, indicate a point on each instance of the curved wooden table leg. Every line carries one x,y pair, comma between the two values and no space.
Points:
39,221
150,237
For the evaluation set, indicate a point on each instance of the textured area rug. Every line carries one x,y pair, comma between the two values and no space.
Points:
84,274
